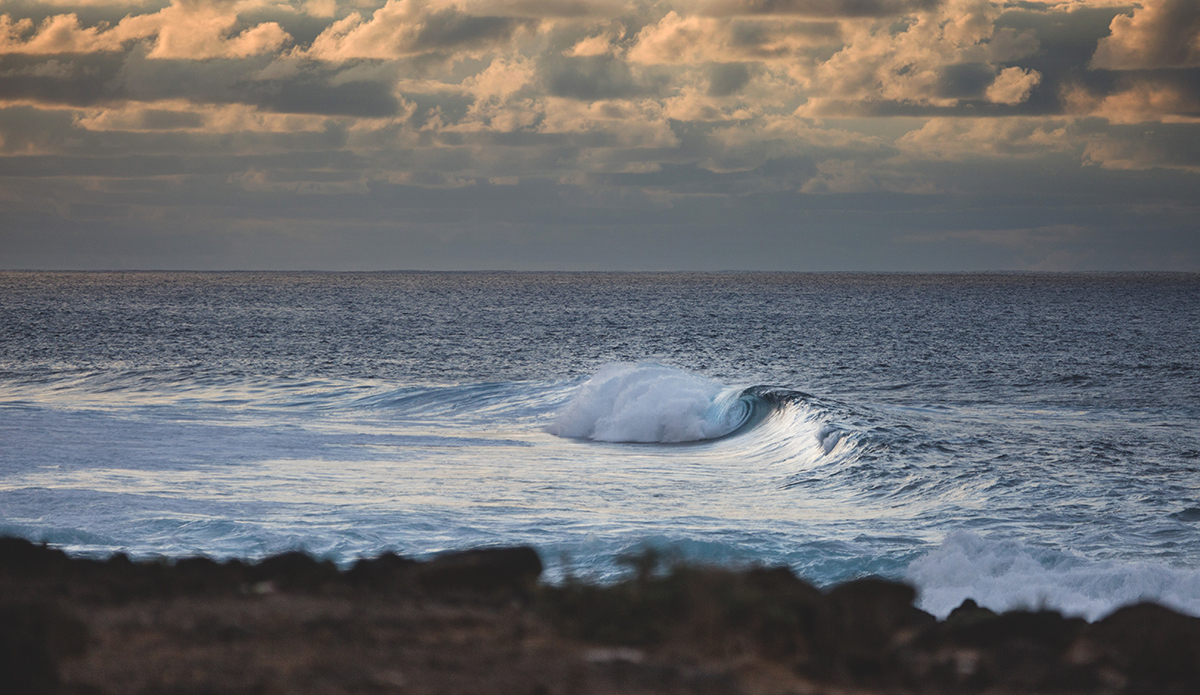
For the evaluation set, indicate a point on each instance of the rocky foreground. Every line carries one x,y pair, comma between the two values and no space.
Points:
479,622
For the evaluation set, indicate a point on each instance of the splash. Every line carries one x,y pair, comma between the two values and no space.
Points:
1007,575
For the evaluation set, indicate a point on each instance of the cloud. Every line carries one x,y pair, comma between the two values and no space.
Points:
57,34
81,4
411,27
1159,34
955,139
796,143
27,130
599,44
817,8
726,79
182,115
194,30
684,39
694,104
940,60
1165,96
502,78
850,176
592,78
621,123
1013,85
555,9
198,31
1131,148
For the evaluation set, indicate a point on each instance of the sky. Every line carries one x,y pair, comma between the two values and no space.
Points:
802,135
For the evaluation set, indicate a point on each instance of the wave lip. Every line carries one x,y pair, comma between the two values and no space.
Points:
648,402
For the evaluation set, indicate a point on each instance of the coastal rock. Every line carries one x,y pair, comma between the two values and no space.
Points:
33,638
478,622
1157,649
294,571
388,572
872,617
483,570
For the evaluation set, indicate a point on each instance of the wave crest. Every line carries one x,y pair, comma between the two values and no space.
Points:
647,402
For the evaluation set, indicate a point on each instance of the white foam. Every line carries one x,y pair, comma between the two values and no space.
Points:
1005,575
646,402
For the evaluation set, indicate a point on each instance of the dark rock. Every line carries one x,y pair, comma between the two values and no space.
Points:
20,558
1047,629
871,617
201,575
632,613
1157,648
484,570
787,614
294,571
694,630
1023,649
779,581
33,637
386,572
968,613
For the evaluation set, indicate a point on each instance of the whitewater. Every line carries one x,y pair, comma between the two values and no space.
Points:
1025,440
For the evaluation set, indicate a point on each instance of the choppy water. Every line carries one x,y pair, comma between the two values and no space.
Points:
1021,439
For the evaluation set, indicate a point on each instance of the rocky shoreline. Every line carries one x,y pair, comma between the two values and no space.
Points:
480,622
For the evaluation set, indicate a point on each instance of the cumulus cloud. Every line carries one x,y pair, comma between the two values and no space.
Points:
404,28
1164,97
1159,34
501,97
1013,85
599,44
193,30
940,59
200,31
678,39
621,123
57,34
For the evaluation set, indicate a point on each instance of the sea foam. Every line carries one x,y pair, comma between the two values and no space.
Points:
1007,575
646,402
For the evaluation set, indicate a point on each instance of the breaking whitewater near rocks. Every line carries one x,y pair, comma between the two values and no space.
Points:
480,622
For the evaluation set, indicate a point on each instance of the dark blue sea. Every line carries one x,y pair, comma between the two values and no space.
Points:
1026,440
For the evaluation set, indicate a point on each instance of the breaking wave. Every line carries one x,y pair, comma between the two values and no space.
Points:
653,403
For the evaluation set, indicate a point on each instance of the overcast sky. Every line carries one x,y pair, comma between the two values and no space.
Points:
600,134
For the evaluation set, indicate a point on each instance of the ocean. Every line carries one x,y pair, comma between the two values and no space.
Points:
1026,440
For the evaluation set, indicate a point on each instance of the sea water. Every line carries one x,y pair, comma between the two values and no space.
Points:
1026,440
